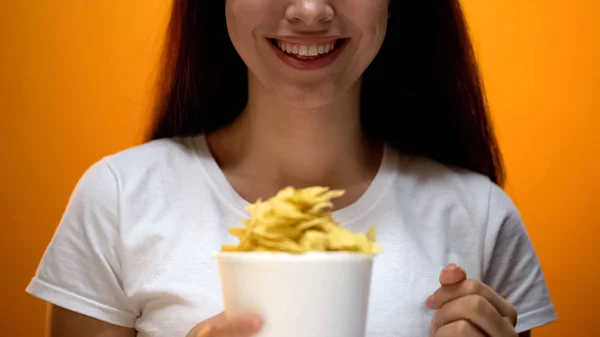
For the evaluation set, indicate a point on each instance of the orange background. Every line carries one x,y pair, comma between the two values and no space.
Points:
75,83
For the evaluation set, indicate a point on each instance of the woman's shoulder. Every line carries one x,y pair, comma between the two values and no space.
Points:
140,171
425,179
152,155
423,174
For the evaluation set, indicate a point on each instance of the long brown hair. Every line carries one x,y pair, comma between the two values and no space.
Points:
422,94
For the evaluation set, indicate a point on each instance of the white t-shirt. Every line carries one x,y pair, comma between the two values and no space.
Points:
135,246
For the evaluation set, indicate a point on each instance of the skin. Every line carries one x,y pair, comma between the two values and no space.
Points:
65,323
309,121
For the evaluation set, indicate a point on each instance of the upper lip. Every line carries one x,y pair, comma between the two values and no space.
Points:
307,40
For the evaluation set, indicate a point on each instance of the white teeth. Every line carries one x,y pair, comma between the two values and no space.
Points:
303,51
306,50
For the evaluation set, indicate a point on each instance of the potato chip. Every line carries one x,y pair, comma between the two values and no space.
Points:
298,221
314,240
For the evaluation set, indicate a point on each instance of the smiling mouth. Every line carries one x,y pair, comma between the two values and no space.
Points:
308,52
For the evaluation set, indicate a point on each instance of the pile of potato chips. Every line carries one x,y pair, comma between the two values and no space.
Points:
299,221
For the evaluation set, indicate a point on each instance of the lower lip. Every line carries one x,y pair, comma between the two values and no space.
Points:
309,64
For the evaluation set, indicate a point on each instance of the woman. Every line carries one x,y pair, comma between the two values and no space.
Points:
379,98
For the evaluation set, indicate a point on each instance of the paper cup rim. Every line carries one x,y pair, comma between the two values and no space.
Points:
308,256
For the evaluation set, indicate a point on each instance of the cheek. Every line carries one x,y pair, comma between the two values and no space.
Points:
245,22
372,24
374,20
240,27
238,17
248,16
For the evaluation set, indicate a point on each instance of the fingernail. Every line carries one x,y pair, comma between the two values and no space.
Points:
450,267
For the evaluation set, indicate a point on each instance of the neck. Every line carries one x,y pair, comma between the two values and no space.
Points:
278,144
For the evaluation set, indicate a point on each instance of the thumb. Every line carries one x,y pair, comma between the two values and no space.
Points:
452,274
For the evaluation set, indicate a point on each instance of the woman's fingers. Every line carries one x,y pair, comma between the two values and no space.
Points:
468,307
468,287
458,329
475,310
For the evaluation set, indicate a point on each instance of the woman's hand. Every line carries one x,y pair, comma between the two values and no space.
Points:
221,326
469,308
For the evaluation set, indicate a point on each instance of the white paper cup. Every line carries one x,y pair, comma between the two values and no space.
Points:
309,295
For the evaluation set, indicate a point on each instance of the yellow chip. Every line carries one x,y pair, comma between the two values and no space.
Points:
315,241
299,221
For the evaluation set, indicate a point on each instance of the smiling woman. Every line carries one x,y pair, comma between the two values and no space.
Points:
438,82
381,99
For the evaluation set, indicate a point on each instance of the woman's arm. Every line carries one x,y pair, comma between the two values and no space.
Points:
66,323
81,269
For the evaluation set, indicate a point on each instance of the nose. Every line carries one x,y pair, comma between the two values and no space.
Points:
309,12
